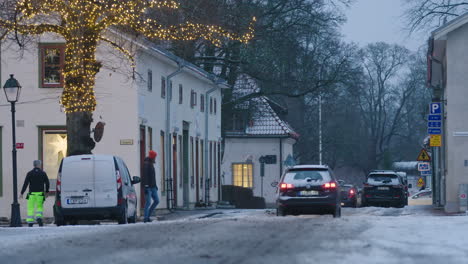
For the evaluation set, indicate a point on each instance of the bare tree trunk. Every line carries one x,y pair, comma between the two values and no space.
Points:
78,132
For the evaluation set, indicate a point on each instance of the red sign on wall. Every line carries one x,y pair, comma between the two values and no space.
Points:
19,145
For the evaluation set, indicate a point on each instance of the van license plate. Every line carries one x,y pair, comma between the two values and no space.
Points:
308,193
77,201
383,188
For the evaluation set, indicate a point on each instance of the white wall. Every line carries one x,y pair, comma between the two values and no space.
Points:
456,110
122,103
116,100
152,109
238,150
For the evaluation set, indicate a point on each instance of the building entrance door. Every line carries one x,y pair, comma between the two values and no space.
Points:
185,166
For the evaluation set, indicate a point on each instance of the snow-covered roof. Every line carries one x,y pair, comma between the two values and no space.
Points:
309,167
442,31
264,120
405,165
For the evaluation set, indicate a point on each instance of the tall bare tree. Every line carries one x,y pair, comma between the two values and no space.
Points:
429,14
83,25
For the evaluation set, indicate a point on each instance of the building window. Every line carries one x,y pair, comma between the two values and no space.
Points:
150,80
215,106
163,87
170,90
52,59
54,149
239,121
202,103
150,138
163,163
242,175
211,105
181,94
193,98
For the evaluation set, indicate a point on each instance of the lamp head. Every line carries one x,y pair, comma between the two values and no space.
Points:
12,89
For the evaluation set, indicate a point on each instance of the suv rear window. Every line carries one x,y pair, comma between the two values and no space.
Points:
380,179
316,176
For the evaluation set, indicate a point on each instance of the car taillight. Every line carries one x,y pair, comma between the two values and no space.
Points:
58,186
286,186
329,185
367,185
351,193
119,180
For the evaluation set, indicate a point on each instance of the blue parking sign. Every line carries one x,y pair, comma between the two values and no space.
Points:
434,124
435,108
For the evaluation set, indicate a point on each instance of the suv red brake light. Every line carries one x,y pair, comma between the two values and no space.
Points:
329,185
286,186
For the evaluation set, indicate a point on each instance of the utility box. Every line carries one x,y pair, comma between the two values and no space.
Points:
463,197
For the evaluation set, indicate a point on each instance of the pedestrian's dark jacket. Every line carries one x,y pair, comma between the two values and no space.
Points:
149,173
36,179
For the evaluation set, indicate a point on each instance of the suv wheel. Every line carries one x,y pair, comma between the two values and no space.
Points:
281,212
123,218
336,211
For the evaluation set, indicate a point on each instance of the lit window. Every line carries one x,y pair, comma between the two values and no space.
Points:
52,58
242,175
54,149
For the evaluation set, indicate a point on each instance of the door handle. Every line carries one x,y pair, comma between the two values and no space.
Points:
87,190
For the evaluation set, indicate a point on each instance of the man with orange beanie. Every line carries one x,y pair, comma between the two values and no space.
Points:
149,183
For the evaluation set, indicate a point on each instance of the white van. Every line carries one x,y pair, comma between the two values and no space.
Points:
94,187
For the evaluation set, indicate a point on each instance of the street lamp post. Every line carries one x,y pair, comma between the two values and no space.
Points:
12,90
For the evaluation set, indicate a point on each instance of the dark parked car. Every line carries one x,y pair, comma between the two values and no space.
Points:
308,189
349,195
384,188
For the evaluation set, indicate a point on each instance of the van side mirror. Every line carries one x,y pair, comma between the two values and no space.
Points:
136,180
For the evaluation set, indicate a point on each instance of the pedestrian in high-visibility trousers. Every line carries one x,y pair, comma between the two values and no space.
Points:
38,189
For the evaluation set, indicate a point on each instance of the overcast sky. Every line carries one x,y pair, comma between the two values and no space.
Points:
380,20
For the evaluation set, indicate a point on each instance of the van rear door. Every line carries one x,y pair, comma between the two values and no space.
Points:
105,181
78,182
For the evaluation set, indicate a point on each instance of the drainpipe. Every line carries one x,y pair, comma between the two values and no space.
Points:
168,154
207,180
281,157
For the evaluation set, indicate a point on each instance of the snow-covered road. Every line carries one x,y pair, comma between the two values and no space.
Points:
414,234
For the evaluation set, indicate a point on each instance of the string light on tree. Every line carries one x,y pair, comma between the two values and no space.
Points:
83,24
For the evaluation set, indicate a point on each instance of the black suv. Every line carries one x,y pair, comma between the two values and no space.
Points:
384,188
308,188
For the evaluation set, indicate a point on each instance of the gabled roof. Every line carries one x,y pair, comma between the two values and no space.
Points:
264,120
441,32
